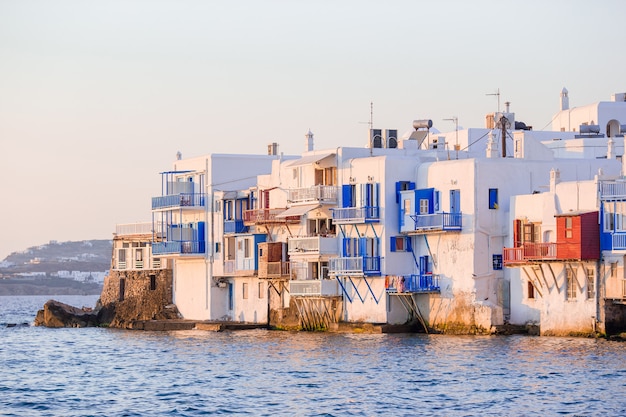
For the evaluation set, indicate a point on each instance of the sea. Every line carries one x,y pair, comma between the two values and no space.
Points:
112,372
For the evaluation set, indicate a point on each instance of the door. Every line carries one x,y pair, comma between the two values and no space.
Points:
455,201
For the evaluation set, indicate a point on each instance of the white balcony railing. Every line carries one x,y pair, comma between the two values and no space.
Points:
612,189
320,193
314,287
145,228
312,245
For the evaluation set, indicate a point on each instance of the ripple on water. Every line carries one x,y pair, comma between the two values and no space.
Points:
102,372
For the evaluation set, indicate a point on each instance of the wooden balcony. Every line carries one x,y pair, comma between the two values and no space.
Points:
530,253
267,216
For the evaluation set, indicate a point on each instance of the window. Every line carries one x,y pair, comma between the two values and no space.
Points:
423,206
613,269
231,296
245,291
407,207
400,244
261,290
530,290
571,285
152,282
568,227
497,262
591,284
246,248
493,198
218,247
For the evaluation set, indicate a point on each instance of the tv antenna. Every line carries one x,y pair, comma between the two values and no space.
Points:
497,93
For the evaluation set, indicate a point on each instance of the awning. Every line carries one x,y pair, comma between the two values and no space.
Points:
310,159
297,210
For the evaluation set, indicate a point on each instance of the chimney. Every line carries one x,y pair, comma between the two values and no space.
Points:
555,178
564,99
272,148
308,144
492,150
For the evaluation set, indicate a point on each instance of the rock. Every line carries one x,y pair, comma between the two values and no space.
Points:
58,314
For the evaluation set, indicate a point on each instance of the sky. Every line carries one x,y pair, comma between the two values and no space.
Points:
97,97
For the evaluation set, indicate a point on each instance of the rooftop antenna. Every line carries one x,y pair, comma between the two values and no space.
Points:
456,130
497,93
371,124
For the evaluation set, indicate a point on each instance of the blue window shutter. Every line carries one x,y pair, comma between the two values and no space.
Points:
398,188
493,198
409,248
392,243
346,195
362,246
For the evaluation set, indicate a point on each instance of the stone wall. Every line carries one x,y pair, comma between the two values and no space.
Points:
129,296
614,317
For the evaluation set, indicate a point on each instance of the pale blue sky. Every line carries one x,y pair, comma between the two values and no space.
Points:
96,98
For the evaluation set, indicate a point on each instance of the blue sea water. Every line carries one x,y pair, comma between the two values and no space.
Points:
109,372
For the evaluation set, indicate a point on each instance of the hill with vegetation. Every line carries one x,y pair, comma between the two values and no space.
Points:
56,268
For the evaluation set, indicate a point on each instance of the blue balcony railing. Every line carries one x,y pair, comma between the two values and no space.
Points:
414,283
438,221
178,247
234,226
354,266
368,214
178,200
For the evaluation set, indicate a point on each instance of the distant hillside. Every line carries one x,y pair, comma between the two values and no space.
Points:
56,268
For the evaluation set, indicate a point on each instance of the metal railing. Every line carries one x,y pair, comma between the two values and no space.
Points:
179,200
354,266
356,214
414,283
612,189
144,228
178,247
314,287
619,241
438,221
321,193
312,244
234,226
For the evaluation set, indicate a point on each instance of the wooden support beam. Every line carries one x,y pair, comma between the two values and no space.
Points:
554,277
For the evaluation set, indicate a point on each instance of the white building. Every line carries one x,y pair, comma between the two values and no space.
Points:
404,229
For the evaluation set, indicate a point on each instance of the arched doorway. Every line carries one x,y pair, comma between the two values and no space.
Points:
612,128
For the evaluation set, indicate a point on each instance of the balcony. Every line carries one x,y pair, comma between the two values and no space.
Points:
234,226
280,269
146,228
619,240
612,190
314,245
178,248
354,266
437,222
184,200
267,216
529,253
314,287
317,193
350,215
414,283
